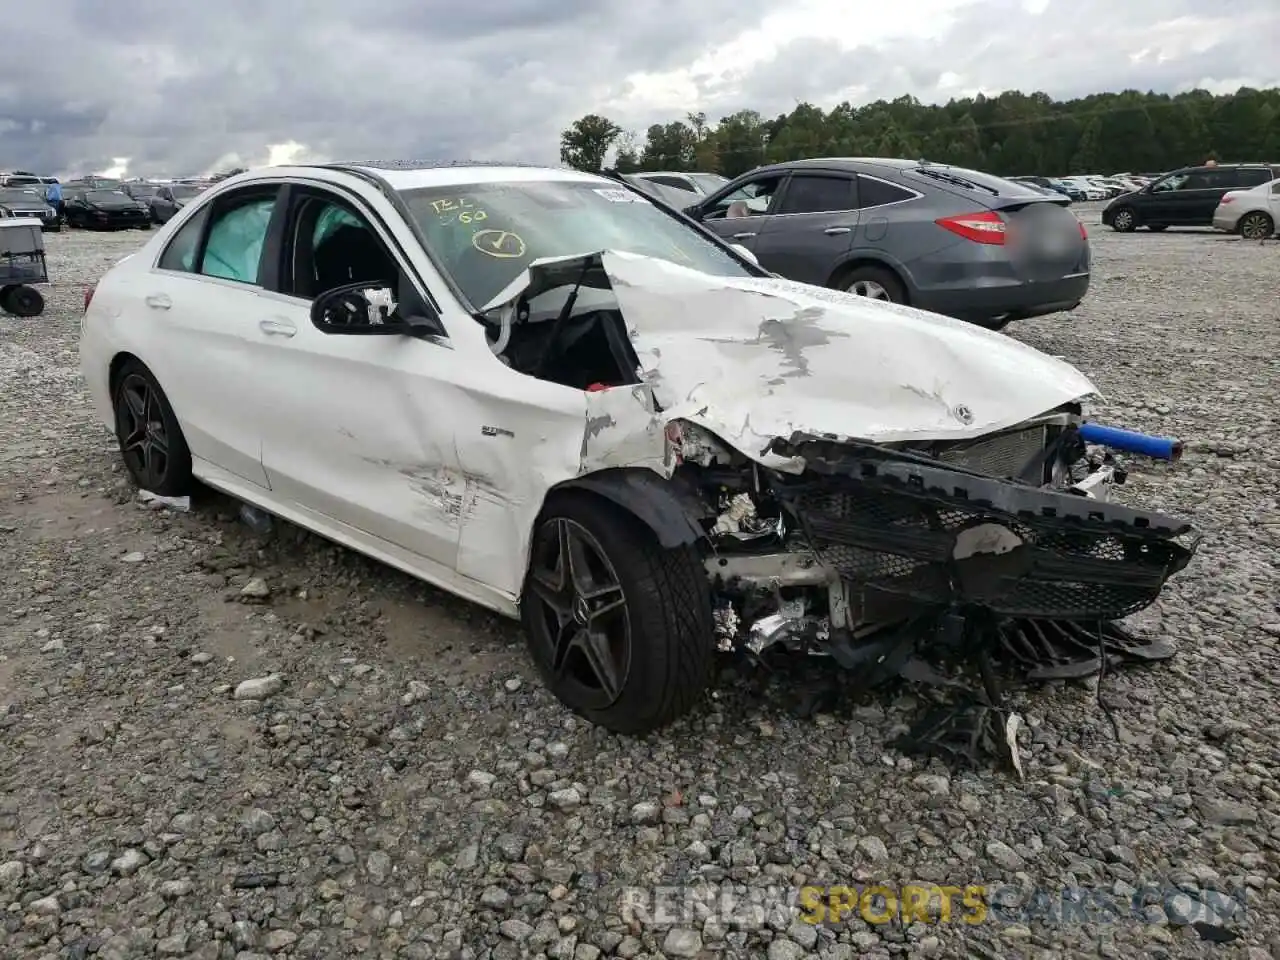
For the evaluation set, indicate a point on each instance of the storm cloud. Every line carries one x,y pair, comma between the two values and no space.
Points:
181,88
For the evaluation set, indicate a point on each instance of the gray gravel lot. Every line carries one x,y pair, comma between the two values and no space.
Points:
410,791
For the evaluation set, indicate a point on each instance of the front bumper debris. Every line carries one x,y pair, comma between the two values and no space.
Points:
986,576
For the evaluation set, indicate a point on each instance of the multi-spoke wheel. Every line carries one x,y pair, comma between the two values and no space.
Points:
874,283
619,627
151,442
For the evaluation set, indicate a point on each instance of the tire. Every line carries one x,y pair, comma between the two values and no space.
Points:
660,639
1157,227
884,283
143,416
1257,226
145,226
1124,220
22,301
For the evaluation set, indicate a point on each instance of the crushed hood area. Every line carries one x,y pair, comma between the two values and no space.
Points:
752,359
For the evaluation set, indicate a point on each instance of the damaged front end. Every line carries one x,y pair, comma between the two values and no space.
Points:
960,565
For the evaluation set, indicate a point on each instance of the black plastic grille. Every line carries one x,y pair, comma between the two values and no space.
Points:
896,540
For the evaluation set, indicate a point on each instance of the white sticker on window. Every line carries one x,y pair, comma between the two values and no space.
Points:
614,195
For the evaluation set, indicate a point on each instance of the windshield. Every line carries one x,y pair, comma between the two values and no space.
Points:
23,181
143,189
20,196
184,191
104,196
485,234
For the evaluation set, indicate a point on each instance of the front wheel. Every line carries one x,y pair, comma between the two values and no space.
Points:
619,627
151,442
1124,220
1256,226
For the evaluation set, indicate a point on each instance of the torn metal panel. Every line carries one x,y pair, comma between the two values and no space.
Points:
752,359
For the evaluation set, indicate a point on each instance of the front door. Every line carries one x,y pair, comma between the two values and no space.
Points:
741,213
358,429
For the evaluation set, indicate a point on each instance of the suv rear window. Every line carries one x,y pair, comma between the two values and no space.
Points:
1253,176
976,182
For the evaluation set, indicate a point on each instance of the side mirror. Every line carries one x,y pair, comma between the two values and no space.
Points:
744,253
367,308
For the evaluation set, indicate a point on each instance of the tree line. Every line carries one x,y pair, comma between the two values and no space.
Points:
1011,134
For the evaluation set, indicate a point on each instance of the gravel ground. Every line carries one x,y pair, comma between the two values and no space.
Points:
406,788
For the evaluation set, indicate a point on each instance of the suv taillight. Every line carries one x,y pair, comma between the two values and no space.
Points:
88,295
985,227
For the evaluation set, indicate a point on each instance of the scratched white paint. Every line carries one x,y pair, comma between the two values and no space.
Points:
753,359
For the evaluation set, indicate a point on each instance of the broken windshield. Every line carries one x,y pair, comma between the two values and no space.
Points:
485,234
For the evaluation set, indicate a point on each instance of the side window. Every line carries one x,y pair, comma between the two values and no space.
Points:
331,244
818,194
181,253
237,233
879,193
1275,187
1197,180
1253,176
752,199
1223,179
1171,182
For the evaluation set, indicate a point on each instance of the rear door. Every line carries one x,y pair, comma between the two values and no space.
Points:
207,290
812,226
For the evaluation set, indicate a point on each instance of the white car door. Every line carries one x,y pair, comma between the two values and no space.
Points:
204,289
357,429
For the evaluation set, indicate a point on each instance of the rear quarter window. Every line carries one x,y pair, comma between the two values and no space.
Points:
1254,176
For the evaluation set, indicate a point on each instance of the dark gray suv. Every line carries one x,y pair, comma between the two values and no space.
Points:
941,238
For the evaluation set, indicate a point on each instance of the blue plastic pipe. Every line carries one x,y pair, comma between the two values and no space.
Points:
1158,448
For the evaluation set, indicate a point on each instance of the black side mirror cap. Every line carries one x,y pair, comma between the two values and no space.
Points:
367,308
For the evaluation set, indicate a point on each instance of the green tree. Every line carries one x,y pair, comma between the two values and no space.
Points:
585,144
1013,133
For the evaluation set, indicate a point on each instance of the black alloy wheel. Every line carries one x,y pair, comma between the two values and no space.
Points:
619,627
151,442
584,629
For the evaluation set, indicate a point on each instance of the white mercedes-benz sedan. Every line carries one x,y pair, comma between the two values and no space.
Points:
557,397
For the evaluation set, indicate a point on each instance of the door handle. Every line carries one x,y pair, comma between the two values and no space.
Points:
277,328
744,236
837,231
159,301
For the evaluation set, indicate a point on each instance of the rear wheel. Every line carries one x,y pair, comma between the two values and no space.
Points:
874,283
1124,220
151,442
1256,226
619,627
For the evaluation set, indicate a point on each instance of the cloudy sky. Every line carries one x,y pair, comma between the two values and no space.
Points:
162,88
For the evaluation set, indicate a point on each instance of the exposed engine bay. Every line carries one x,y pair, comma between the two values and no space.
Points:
993,557
954,562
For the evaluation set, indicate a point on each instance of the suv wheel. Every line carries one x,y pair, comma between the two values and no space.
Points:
1124,220
874,283
1256,226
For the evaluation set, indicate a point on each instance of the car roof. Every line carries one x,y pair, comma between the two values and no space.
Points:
418,174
